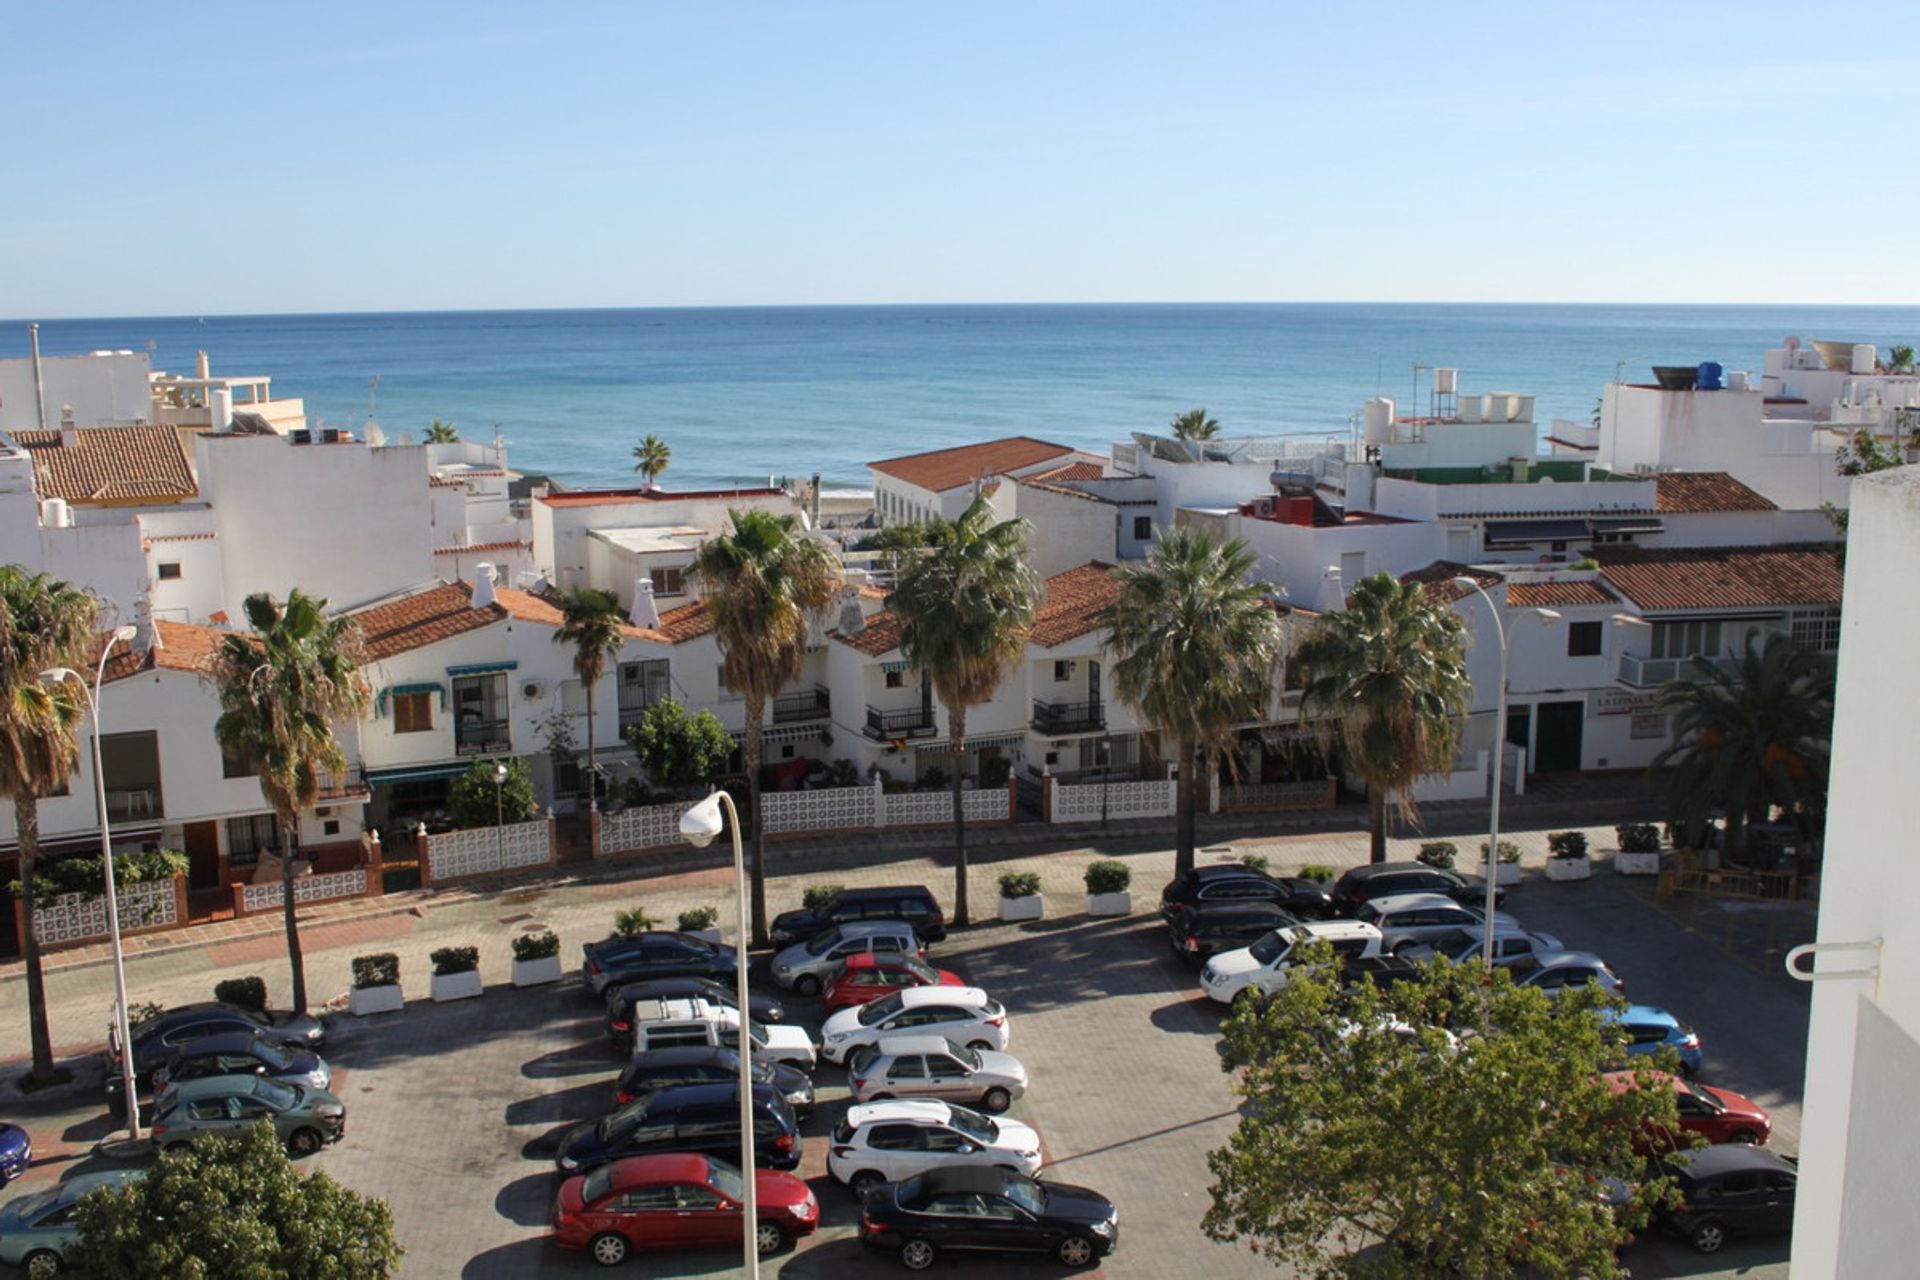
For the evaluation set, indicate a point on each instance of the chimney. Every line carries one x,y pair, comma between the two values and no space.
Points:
39,384
220,409
646,611
816,499
852,620
146,636
483,578
201,369
69,433
1333,595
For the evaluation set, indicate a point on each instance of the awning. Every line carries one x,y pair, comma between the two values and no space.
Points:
416,773
482,668
1523,531
394,690
1629,524
895,668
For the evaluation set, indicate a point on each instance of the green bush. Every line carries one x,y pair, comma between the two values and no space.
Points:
1638,837
994,772
1509,851
455,960
934,778
83,874
818,896
698,918
1439,853
380,970
1019,884
248,993
1255,862
632,920
536,946
1567,844
1317,871
680,750
843,773
471,801
1108,875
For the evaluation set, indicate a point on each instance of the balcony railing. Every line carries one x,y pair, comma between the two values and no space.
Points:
124,804
808,704
482,738
1069,717
1651,673
883,726
348,782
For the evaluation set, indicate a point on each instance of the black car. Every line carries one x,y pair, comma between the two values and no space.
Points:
1201,929
915,904
1731,1190
973,1209
243,1053
703,1119
1232,882
155,1039
634,957
1363,884
622,998
709,1064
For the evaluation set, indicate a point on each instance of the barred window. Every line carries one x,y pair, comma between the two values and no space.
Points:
1818,629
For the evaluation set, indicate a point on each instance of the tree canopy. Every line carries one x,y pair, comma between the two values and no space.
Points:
679,749
439,432
651,457
471,801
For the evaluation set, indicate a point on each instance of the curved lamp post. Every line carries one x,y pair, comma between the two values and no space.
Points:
56,676
700,826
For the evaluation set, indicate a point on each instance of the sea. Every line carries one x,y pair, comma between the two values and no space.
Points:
742,394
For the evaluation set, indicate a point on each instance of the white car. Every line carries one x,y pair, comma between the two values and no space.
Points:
805,966
678,1023
964,1015
1408,919
1265,966
1465,945
924,1066
886,1141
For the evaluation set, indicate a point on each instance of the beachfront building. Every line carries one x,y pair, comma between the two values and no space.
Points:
944,482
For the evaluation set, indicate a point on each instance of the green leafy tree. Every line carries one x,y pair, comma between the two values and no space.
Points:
650,458
1750,736
1454,1125
282,689
965,606
1900,359
43,623
1196,645
439,432
1387,675
233,1209
591,621
766,584
471,801
1193,425
680,749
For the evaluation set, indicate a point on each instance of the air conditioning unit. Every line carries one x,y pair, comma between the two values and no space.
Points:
533,689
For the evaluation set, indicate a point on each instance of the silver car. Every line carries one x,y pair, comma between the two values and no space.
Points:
1467,944
805,967
923,1066
1407,919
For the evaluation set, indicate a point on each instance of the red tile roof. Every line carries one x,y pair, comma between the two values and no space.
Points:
1072,471
1724,577
1700,491
183,647
609,497
427,617
110,464
511,544
1438,579
688,622
1558,595
943,469
879,637
1073,603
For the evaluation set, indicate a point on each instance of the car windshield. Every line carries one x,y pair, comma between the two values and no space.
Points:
1270,947
273,1055
1028,1195
973,1124
274,1094
598,1183
1706,1099
726,1179
621,1120
820,944
881,1009
965,1055
926,973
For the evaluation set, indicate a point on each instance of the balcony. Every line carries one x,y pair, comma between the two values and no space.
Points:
1651,673
126,804
807,704
482,738
340,786
884,726
1069,717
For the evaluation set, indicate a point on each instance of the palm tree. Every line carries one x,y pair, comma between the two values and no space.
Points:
282,689
1749,736
965,606
590,621
1195,642
765,586
650,457
1193,426
1388,675
439,432
43,623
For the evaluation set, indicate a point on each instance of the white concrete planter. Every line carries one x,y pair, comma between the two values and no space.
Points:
1636,864
1110,904
1030,907
457,986
535,973
710,935
1569,868
1506,874
365,1000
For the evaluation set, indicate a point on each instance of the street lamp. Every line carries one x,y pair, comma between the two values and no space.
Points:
1547,618
699,827
120,1021
499,812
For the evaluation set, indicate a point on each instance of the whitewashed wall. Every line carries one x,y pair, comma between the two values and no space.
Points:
478,851
1085,803
306,889
74,917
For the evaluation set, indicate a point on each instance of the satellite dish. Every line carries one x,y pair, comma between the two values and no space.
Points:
373,434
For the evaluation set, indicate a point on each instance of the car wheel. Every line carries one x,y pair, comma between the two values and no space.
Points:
1744,1137
769,1239
996,1100
303,1142
42,1263
865,1181
917,1255
1708,1236
806,985
609,1249
1075,1251
980,1046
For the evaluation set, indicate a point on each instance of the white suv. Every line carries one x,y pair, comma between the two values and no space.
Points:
1265,966
673,1024
886,1141
964,1015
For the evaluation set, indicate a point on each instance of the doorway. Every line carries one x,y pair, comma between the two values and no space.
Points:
1557,744
202,841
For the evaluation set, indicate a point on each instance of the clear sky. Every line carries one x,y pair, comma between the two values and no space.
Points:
203,159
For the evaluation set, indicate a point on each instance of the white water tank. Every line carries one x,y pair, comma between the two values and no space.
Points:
55,514
1864,357
1446,381
1377,421
1739,380
1520,408
1472,408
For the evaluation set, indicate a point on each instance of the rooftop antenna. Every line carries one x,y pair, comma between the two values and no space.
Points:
373,389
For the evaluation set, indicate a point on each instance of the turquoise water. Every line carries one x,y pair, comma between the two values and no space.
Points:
741,393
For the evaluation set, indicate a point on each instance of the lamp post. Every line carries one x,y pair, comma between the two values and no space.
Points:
699,826
499,812
1547,618
120,1020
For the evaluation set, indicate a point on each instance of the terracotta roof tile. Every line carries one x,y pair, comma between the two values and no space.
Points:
688,622
1725,577
1072,471
512,544
1438,579
1073,603
1558,595
110,464
1700,491
879,637
943,469
427,617
183,647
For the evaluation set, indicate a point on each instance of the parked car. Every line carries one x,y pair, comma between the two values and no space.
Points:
1717,1115
1648,1030
622,998
1376,880
672,1024
1382,971
1555,971
931,1066
887,1141
1231,882
709,1064
965,1015
156,1038
36,1228
1468,943
1730,1191
239,1053
700,1119
912,904
305,1118
1265,965
1198,930
16,1152
1408,919
976,1211
649,1203
805,967
635,957
869,977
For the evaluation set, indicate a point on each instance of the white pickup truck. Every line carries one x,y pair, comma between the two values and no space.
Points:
1266,965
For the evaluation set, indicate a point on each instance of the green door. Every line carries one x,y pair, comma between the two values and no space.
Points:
1556,745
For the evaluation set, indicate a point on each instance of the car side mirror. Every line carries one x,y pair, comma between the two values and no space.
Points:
965,1149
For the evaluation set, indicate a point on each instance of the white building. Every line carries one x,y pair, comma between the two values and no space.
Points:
944,482
613,538
98,389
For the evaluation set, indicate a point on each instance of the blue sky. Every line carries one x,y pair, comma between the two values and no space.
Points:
207,159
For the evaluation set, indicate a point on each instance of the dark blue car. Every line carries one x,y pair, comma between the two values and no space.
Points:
703,1119
16,1150
1649,1030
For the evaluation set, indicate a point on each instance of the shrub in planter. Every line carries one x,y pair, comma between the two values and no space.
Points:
1567,844
819,895
248,993
1020,884
536,958
632,920
1439,854
456,973
1319,872
1508,859
376,985
1107,882
1255,862
1638,837
1020,896
535,946
448,960
698,919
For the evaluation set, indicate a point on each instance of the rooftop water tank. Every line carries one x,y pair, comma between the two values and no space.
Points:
1520,408
1864,357
1446,381
55,514
1739,380
1376,418
1708,376
1472,408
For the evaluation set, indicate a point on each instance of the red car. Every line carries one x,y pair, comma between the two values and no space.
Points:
1718,1115
650,1203
865,978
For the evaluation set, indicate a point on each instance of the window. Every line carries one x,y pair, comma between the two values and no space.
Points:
235,762
1685,639
412,712
1143,528
1817,629
894,1137
169,571
1583,639
896,679
246,837
1063,671
911,1067
946,1069
648,1200
669,582
480,714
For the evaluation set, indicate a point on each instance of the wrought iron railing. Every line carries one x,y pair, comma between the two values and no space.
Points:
807,704
482,738
1069,717
914,723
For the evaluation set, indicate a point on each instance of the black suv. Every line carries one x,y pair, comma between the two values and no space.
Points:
1231,882
1363,884
709,1064
703,1119
1731,1190
913,903
1204,929
636,957
156,1038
